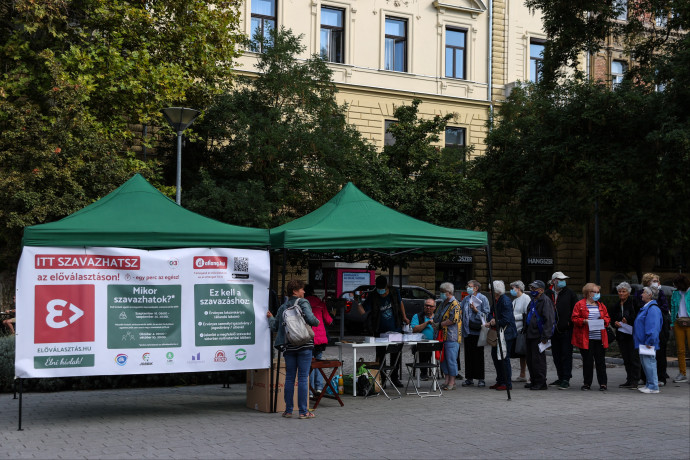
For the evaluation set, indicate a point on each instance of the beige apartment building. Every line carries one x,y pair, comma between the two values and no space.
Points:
457,56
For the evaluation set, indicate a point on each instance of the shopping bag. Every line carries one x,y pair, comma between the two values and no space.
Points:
483,334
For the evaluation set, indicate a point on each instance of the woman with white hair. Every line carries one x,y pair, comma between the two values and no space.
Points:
520,307
448,318
622,314
502,317
646,334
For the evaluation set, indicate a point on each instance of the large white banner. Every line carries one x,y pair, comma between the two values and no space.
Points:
110,311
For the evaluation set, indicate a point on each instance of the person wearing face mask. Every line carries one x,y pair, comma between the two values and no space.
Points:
625,313
646,334
652,280
564,300
386,313
473,307
448,319
520,307
591,342
539,324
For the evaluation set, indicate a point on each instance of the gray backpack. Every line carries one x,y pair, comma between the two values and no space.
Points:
297,331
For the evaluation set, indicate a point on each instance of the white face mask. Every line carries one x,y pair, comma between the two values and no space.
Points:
655,284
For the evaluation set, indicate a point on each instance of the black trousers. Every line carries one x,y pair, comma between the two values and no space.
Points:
504,373
536,363
562,351
381,355
631,357
424,357
595,354
474,358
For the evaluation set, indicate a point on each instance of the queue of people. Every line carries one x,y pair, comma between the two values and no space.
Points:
552,318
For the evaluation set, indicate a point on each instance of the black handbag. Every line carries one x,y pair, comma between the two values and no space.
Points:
475,325
520,345
611,333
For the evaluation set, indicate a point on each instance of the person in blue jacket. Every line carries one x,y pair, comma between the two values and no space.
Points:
646,334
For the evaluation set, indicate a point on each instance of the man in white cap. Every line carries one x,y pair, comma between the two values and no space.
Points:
564,301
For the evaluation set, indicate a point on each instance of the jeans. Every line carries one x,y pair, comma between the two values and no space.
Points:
562,352
504,373
649,365
595,354
315,378
449,366
297,363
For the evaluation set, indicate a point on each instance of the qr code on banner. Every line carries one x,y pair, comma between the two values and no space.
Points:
241,264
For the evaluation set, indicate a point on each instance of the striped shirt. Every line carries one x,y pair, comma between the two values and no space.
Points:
594,314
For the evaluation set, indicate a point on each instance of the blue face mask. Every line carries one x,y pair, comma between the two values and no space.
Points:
596,297
561,284
470,290
513,292
534,293
381,291
443,296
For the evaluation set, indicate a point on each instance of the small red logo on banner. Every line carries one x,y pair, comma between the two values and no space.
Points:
213,262
64,313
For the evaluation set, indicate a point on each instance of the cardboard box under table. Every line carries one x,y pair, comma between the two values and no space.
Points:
259,389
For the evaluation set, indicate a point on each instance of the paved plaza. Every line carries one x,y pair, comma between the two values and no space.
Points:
212,422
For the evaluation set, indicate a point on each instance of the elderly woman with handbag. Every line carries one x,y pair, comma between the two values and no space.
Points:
475,309
502,318
448,318
520,307
592,341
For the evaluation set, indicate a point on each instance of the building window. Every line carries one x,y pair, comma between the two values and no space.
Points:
455,138
263,21
388,138
622,6
332,34
455,53
396,45
536,58
661,19
618,69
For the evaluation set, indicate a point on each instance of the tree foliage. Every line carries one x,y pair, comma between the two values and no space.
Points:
278,145
78,79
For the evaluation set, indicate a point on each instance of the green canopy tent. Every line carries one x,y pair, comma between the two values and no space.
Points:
137,215
352,221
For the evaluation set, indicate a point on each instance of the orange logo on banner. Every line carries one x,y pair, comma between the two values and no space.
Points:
64,313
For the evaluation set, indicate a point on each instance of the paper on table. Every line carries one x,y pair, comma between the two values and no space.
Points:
596,324
647,351
625,328
544,346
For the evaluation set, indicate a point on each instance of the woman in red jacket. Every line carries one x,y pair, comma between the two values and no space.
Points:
318,307
592,343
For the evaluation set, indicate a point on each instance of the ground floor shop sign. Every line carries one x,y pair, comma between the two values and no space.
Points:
110,311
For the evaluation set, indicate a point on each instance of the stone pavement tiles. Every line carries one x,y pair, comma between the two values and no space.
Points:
211,422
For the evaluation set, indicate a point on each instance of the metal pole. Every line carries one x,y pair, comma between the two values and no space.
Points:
597,252
21,392
178,180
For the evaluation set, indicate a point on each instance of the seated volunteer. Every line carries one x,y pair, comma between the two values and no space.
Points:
297,358
386,313
423,323
448,318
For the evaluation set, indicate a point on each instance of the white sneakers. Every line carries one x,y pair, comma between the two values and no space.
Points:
647,390
680,378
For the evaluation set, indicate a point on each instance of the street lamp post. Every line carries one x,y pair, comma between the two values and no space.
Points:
179,118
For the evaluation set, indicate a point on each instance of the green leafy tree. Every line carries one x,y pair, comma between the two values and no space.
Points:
421,179
79,78
278,146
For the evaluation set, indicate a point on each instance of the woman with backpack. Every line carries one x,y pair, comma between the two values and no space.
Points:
297,352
